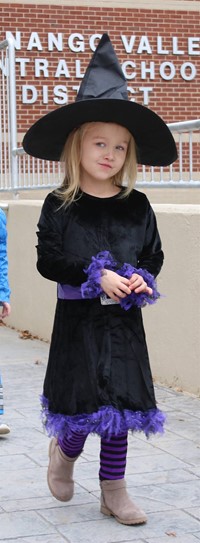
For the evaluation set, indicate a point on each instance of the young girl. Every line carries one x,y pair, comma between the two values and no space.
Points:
4,298
98,240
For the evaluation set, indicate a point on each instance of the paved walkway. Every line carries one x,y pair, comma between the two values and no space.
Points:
163,473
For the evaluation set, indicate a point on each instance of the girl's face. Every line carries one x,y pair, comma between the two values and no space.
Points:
103,151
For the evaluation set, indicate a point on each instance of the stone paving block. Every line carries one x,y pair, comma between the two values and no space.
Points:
20,524
106,530
15,462
184,449
156,462
92,447
194,511
136,447
15,348
100,531
16,443
72,513
184,424
180,495
181,402
38,539
171,442
90,485
86,470
176,521
23,484
48,502
165,476
13,448
189,538
196,471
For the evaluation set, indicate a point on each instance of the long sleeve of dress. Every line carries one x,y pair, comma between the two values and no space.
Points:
52,263
151,257
4,284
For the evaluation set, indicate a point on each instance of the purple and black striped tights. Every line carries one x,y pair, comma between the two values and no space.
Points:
112,454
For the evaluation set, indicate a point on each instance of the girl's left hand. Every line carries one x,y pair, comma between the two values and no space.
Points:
138,284
6,310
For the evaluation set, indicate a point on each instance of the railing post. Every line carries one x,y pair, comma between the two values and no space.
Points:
13,116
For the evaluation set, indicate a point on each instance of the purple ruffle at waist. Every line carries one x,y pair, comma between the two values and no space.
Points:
67,292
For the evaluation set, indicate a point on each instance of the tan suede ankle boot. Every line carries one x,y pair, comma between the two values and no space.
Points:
60,472
116,502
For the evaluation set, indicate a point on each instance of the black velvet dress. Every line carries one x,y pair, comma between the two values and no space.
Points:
98,377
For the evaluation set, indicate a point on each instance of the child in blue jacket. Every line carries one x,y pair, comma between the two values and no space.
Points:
4,296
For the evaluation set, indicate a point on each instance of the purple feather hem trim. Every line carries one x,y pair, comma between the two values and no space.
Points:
104,260
105,422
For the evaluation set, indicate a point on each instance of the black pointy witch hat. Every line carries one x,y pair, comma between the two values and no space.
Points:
103,97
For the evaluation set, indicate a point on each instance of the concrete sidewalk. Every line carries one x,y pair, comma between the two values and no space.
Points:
163,473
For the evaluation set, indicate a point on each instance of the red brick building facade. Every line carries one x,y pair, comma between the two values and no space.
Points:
159,50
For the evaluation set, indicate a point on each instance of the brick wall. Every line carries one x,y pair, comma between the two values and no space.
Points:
173,59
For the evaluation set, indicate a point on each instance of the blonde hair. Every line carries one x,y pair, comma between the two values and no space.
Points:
71,158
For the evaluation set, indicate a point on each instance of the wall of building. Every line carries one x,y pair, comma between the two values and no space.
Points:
172,325
158,45
158,48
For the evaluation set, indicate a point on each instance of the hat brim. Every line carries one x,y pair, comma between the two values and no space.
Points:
155,143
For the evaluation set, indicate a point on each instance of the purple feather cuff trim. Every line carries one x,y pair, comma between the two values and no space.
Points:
104,260
141,299
105,422
92,288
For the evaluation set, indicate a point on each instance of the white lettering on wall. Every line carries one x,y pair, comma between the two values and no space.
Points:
128,45
41,67
193,44
76,43
188,67
60,92
62,69
34,42
144,46
137,67
29,94
45,95
92,41
55,41
79,74
132,44
147,70
167,70
176,50
16,39
125,68
146,91
160,49
22,65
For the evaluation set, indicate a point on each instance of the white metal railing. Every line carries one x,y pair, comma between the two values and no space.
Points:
185,172
20,172
8,130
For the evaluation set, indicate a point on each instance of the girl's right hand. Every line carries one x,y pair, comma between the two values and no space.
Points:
114,285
